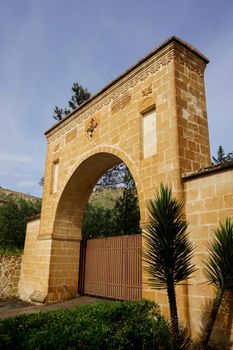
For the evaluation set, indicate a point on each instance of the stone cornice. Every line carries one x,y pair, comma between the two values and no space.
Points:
184,57
208,171
172,49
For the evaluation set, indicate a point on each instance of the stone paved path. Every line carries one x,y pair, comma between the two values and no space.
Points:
14,307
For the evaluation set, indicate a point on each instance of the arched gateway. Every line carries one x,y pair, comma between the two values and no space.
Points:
153,118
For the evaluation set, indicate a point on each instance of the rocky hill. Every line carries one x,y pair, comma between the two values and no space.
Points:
5,194
105,197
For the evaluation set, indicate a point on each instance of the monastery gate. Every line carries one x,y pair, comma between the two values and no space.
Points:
154,119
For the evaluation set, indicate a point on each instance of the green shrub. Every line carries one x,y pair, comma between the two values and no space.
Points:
10,251
111,325
13,221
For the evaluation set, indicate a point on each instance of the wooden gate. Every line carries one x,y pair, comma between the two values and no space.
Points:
112,267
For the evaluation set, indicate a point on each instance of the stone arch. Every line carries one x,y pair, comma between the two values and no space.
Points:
66,237
79,184
121,130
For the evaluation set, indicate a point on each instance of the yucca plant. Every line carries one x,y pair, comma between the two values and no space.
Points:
219,270
168,251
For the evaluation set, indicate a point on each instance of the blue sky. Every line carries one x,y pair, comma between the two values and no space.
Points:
46,45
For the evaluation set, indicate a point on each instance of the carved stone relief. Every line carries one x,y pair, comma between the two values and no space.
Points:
121,103
91,127
147,91
116,92
71,135
56,148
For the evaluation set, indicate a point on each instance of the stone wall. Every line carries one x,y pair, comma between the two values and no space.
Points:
10,267
208,200
29,261
110,128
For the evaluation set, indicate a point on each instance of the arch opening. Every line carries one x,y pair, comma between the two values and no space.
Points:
66,265
73,201
112,208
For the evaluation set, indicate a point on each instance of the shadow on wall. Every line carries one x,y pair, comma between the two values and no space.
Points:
221,335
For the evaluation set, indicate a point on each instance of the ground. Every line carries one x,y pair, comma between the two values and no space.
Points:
15,307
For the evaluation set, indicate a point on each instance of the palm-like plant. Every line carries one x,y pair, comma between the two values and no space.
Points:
219,270
168,251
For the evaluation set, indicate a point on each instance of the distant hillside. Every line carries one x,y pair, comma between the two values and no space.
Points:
105,197
5,194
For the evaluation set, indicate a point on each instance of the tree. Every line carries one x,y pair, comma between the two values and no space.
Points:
98,221
41,182
222,157
127,213
219,270
79,96
13,221
126,209
121,218
114,177
168,251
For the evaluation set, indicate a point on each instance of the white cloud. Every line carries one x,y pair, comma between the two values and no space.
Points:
9,173
21,184
18,158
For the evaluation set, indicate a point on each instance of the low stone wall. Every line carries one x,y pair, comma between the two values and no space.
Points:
28,281
10,267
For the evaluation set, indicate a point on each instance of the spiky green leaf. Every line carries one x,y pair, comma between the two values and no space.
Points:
219,266
168,251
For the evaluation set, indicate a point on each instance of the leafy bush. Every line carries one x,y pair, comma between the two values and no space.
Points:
13,221
127,213
98,221
11,251
111,325
103,221
122,216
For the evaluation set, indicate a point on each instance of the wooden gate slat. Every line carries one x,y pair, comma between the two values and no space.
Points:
113,267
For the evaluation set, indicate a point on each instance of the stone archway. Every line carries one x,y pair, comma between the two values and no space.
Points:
77,189
153,118
65,246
